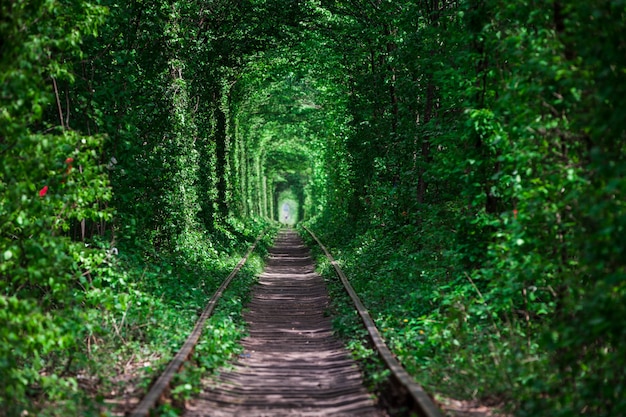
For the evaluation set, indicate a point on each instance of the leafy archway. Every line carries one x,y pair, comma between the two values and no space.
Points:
282,123
480,146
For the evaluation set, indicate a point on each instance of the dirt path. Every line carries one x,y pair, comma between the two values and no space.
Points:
292,364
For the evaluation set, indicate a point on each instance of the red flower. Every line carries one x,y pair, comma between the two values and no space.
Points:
515,213
69,161
43,191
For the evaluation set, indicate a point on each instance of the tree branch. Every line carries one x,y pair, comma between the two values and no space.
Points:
56,94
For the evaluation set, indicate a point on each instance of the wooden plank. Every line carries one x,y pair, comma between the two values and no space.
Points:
420,401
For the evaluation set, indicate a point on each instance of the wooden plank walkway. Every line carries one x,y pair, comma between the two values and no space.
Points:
292,364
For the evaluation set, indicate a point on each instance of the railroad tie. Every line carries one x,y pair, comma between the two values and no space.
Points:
292,364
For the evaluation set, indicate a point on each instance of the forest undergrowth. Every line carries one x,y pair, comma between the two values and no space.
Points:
135,313
452,328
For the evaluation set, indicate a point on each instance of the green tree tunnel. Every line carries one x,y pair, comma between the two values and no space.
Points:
464,158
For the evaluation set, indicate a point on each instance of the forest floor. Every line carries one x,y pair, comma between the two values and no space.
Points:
468,408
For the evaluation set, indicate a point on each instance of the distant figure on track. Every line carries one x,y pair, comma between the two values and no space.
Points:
286,212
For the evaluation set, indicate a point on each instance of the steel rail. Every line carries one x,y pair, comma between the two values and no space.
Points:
159,389
417,399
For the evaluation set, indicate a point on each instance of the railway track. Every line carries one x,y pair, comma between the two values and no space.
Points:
292,364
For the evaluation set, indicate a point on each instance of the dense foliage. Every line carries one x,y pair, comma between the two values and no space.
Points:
465,158
482,214
117,217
